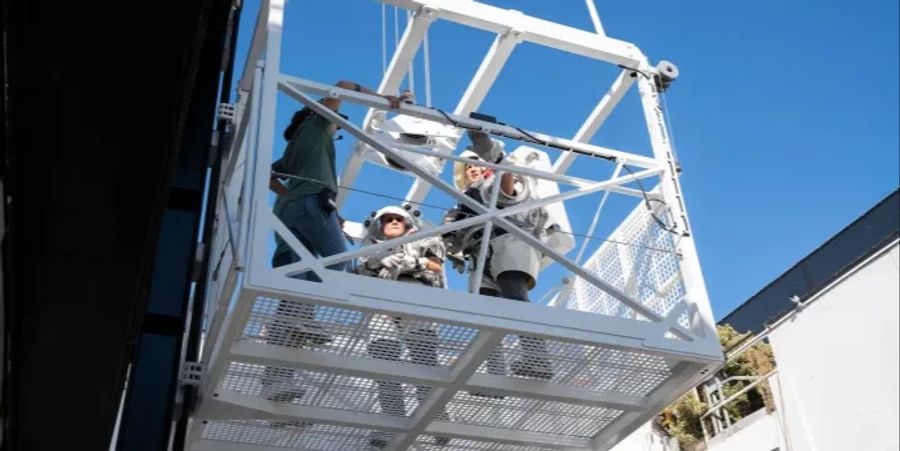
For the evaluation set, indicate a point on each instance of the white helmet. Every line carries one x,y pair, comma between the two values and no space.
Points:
374,233
459,170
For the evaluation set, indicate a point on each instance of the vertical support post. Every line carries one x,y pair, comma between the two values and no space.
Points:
597,117
696,295
411,71
487,72
475,93
249,149
595,18
486,235
403,56
265,138
426,61
596,218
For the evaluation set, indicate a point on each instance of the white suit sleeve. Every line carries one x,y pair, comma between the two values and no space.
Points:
489,149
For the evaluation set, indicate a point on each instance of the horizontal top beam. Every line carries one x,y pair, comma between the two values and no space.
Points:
435,115
532,29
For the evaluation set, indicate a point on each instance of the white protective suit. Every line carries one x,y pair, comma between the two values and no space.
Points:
389,335
413,256
506,252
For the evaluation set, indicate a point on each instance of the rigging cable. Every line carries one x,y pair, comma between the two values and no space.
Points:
383,38
671,229
438,207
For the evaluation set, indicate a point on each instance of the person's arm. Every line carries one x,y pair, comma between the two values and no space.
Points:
508,184
276,186
434,264
334,104
274,180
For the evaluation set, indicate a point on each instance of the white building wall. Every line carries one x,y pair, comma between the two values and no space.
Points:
646,438
838,363
759,431
838,381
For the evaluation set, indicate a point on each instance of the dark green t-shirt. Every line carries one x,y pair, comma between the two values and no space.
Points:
310,154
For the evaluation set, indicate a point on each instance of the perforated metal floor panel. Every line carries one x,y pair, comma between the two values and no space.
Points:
319,377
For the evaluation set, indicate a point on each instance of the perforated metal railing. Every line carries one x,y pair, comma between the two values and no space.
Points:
591,389
640,258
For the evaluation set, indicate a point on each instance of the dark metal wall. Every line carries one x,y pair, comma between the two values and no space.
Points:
107,118
150,413
874,229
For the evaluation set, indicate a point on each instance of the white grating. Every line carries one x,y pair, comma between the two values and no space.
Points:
549,417
355,333
641,259
286,434
592,367
427,443
559,408
332,391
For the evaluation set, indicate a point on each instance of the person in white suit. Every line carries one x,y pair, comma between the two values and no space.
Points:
512,266
418,262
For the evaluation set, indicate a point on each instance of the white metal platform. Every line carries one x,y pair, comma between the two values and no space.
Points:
630,333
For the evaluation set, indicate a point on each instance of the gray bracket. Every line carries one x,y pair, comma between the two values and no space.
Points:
225,112
191,373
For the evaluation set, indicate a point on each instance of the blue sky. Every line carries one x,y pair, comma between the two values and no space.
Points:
785,116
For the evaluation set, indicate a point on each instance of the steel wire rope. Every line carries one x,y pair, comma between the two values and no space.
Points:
442,208
383,38
647,201
670,131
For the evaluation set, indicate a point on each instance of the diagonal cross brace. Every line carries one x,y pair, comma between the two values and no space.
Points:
313,264
466,366
294,268
481,209
433,114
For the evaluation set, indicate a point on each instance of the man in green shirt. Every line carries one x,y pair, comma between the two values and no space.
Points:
306,205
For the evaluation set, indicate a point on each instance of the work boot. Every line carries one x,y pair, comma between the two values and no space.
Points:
533,367
379,439
285,392
309,333
486,395
290,424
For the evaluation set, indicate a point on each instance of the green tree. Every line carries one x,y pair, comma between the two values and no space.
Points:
682,419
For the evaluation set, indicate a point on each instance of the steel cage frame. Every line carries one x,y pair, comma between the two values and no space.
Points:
247,276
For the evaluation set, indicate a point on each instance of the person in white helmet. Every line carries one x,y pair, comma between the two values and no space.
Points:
419,262
512,266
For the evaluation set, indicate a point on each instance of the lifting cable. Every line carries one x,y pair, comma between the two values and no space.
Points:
445,209
647,199
383,38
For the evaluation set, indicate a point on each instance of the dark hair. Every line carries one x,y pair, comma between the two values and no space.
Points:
296,120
